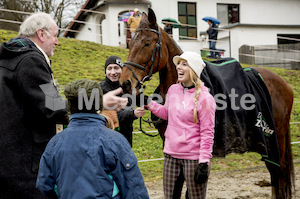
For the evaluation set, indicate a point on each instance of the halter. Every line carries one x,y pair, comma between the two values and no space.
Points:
155,53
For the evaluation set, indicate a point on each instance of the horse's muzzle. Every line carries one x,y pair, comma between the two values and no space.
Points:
126,86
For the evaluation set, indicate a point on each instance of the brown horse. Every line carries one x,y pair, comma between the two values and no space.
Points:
151,50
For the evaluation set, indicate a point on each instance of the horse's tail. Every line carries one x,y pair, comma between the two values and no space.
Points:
283,177
288,168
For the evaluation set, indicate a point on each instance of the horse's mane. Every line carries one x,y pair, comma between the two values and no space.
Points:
144,23
180,50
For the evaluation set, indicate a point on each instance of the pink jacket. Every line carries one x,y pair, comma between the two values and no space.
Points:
183,138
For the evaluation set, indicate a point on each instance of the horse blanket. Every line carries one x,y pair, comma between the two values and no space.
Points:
244,115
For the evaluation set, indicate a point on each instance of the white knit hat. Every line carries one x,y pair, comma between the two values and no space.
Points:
193,59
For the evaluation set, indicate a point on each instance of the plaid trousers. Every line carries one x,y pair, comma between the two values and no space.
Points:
175,171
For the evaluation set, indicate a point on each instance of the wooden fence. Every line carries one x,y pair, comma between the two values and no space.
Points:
281,56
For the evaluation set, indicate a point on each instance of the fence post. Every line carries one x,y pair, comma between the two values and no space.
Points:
248,50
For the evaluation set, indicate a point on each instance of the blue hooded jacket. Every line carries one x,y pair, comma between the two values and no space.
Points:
82,159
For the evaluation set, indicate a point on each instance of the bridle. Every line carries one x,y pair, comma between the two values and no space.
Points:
156,53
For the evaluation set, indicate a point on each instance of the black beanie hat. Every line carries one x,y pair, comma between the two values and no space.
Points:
113,60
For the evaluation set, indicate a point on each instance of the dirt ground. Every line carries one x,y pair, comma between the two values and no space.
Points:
232,185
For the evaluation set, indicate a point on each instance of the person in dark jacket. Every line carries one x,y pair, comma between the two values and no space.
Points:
212,32
113,70
168,28
87,159
31,108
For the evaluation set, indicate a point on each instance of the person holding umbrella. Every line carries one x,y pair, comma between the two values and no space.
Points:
170,23
168,28
134,21
212,32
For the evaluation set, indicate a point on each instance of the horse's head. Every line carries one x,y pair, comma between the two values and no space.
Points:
145,50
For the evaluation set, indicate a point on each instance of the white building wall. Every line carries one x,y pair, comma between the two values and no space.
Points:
253,36
122,37
164,9
169,8
203,8
280,12
89,31
270,12
114,10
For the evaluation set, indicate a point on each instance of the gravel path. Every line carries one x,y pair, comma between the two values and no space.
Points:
232,185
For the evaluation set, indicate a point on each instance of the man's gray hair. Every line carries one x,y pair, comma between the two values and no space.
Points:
35,22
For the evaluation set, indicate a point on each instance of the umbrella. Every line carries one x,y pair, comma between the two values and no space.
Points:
174,22
214,20
125,16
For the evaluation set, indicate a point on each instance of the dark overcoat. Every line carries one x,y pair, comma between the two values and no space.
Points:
26,123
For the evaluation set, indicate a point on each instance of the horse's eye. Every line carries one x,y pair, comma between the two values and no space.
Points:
147,44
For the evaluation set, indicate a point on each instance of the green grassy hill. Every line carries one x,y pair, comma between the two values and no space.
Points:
76,59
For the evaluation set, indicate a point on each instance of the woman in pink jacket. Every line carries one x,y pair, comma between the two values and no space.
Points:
190,111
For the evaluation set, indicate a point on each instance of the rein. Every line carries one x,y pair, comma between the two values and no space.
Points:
156,53
150,125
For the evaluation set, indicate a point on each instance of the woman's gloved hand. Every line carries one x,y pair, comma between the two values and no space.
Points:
201,174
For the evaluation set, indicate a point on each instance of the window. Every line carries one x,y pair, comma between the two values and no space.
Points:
288,38
187,15
228,13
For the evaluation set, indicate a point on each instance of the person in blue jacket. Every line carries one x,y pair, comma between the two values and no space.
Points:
87,159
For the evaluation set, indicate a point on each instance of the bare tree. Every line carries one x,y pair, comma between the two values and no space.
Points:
62,10
6,5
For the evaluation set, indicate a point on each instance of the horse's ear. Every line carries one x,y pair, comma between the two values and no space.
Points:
144,16
151,18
